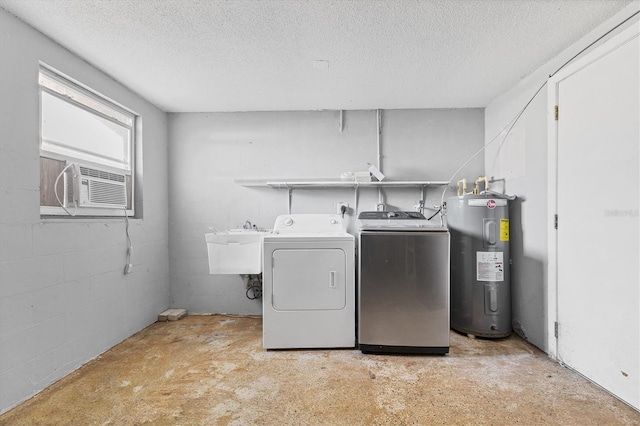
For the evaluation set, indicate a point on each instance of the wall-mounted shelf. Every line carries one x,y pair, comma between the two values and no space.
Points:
292,184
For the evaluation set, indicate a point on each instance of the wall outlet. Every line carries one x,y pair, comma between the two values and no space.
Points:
339,208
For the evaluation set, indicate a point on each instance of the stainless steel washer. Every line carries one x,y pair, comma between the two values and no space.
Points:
403,284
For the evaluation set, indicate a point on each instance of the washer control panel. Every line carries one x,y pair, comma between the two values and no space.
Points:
396,215
395,221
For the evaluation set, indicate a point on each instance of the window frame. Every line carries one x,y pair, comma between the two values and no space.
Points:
104,103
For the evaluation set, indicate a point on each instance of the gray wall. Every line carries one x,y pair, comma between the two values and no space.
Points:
208,152
522,161
523,165
63,296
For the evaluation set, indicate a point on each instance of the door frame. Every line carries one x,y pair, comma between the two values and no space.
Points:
597,53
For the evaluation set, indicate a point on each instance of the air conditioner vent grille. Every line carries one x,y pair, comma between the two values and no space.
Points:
107,193
101,174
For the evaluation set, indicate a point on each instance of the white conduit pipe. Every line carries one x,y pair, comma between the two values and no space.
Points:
378,132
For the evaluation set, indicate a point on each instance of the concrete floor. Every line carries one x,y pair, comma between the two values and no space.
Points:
212,370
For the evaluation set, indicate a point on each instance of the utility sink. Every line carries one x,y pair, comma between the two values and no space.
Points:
235,251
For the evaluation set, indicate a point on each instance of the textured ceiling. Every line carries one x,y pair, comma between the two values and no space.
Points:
257,55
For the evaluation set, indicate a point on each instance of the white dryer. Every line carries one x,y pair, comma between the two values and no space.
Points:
308,298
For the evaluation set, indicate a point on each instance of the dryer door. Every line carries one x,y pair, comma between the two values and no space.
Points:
308,279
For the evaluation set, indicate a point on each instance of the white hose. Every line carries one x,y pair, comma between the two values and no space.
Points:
508,128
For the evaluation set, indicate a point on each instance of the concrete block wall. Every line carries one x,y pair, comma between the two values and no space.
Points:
63,296
210,151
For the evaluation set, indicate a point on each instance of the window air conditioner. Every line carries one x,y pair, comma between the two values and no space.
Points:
93,187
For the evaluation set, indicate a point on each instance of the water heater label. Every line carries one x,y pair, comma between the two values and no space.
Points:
489,266
504,229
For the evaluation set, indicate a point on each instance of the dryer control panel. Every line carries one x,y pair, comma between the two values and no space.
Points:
309,223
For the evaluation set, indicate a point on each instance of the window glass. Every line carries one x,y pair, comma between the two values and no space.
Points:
77,125
76,132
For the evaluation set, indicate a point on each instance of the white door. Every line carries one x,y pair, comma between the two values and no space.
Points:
597,204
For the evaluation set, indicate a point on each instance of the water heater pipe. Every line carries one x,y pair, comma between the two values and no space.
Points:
461,190
486,184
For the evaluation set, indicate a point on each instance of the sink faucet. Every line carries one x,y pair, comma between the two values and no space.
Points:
247,225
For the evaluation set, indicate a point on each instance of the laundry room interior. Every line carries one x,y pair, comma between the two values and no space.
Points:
293,148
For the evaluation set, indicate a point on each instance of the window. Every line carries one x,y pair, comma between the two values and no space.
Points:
87,146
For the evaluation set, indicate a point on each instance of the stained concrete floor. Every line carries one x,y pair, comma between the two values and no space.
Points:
212,370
